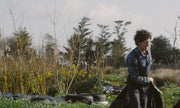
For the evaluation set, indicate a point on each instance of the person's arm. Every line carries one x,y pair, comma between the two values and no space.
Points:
132,65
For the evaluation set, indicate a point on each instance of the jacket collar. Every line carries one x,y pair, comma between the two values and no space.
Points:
138,52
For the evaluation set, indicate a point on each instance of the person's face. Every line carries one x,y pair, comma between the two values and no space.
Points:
145,44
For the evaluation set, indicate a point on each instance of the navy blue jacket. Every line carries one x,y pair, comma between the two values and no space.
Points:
138,67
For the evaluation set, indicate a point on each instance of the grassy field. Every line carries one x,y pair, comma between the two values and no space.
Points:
167,81
171,94
8,103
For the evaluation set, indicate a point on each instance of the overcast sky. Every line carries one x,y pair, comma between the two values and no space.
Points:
157,16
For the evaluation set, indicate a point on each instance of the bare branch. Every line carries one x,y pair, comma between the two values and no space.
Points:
10,9
175,34
169,33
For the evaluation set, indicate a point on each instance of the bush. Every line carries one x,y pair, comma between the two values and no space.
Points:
52,91
91,85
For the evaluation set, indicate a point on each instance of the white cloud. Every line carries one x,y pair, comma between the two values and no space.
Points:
107,13
74,8
104,13
33,14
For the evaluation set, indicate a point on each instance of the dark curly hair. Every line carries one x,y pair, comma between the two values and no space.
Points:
141,35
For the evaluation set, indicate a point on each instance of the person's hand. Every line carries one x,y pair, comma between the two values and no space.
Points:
152,80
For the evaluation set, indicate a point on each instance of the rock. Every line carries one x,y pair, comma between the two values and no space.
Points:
43,99
21,96
111,89
7,95
87,98
96,97
59,99
103,102
79,97
99,97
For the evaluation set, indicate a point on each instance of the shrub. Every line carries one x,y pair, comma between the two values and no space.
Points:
52,91
91,85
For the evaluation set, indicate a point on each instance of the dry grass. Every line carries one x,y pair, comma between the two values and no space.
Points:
161,76
167,75
122,70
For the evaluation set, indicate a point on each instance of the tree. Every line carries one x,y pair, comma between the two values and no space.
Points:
78,42
102,45
49,48
119,48
90,54
162,51
175,57
19,50
54,19
77,45
20,44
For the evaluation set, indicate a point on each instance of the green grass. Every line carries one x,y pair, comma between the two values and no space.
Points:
82,105
171,94
8,103
115,79
110,98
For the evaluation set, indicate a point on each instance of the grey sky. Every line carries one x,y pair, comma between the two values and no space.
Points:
153,15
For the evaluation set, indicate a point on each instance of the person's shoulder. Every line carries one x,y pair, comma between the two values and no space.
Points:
131,57
132,53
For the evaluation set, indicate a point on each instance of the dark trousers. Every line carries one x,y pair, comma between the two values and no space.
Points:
138,96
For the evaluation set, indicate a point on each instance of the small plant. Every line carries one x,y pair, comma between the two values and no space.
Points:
52,91
92,85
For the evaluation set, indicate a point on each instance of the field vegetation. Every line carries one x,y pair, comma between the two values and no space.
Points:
169,88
